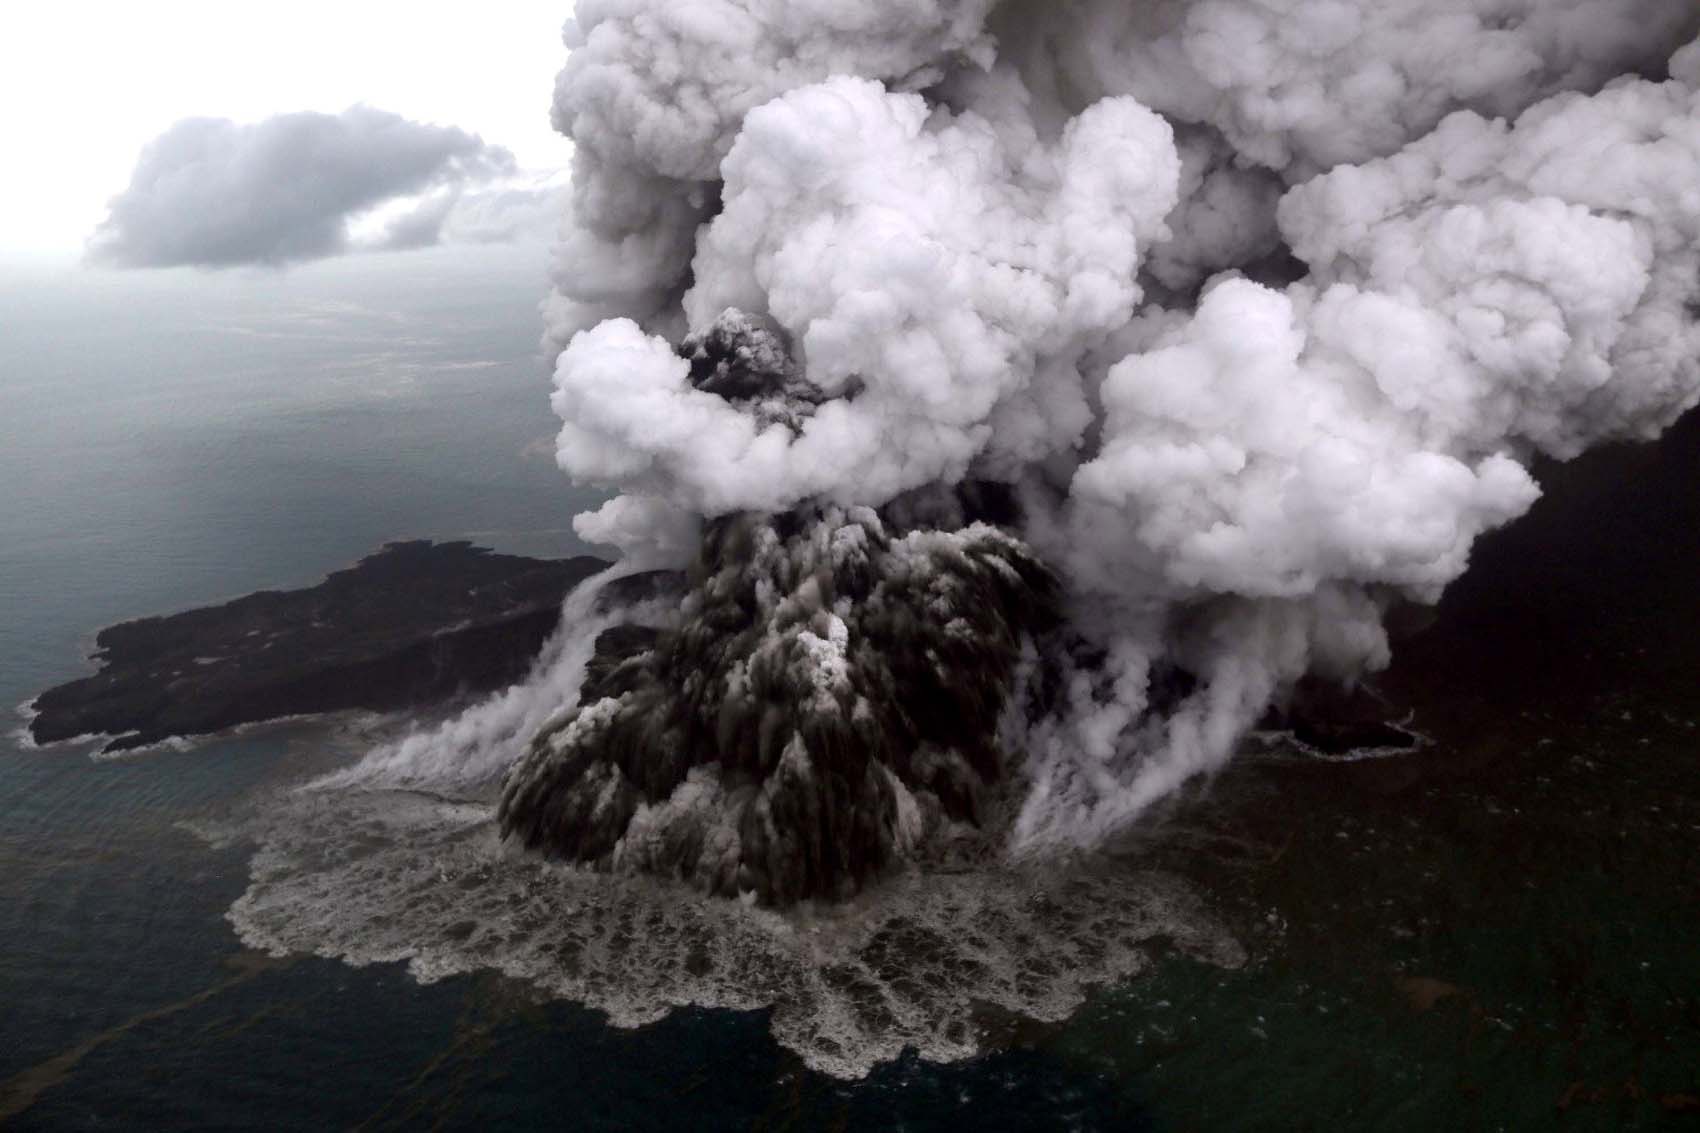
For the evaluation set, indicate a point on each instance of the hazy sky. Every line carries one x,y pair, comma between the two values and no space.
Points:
84,85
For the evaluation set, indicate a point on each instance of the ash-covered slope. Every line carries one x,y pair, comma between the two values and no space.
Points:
828,699
414,623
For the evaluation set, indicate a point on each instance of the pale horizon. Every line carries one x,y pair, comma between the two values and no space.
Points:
87,86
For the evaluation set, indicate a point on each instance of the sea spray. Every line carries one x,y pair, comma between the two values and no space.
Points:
477,745
922,961
399,858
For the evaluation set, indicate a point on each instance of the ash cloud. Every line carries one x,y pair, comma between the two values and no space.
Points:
1258,311
832,700
213,193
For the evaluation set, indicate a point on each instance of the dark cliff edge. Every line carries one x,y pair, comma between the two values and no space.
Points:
414,623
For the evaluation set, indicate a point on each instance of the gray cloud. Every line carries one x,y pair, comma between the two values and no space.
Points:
420,226
526,207
513,210
210,192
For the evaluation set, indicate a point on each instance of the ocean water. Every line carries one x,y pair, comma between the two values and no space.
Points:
1496,932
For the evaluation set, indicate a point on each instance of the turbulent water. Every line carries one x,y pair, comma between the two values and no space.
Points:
922,963
398,858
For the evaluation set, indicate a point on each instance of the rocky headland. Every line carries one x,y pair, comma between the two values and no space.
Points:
415,623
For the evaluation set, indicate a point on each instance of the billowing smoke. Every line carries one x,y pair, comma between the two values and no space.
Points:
1249,315
831,697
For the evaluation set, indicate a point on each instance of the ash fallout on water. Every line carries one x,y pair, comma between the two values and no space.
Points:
1034,393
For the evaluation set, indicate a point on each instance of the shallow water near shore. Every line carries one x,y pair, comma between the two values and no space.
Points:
1495,931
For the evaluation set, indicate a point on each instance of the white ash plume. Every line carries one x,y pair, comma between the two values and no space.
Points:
1492,291
477,745
827,700
1302,86
1262,308
653,95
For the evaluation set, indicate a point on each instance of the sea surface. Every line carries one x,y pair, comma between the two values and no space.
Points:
1501,931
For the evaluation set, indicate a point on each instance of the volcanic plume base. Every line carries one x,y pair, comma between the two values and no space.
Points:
832,697
400,857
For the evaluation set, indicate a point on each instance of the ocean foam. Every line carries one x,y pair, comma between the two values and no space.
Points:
397,858
371,876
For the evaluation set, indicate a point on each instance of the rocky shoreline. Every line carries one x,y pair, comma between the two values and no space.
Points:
415,623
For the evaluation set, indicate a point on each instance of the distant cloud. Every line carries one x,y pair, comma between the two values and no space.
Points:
519,207
209,192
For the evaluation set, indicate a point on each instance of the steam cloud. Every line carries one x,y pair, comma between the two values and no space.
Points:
1258,311
826,703
209,192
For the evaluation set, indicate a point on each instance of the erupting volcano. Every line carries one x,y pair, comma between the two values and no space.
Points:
1005,407
1247,317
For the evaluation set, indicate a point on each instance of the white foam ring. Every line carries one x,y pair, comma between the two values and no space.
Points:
20,736
396,876
398,859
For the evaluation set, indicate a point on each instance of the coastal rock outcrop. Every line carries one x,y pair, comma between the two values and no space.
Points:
414,623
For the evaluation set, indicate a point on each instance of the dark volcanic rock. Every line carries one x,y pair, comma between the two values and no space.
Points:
829,696
615,667
413,623
620,594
